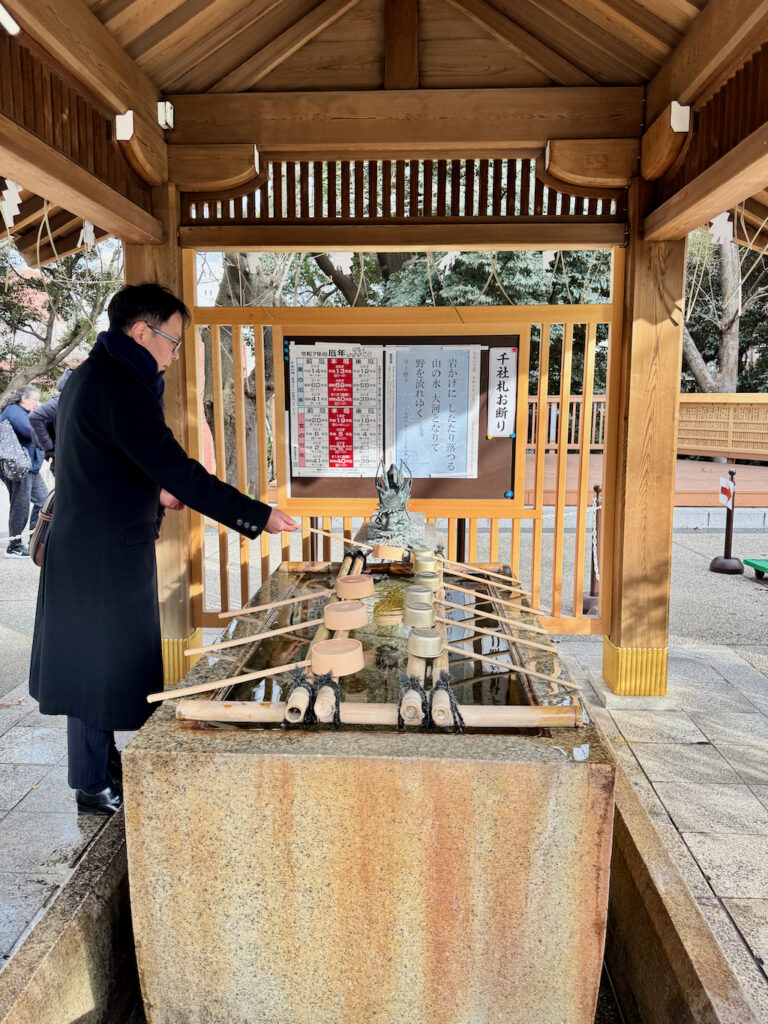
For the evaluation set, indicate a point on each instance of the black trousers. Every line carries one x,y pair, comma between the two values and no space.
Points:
88,751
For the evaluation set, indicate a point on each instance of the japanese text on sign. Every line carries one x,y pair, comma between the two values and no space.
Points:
502,392
432,409
336,409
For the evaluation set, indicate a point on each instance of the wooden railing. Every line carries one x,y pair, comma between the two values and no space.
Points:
731,426
552,430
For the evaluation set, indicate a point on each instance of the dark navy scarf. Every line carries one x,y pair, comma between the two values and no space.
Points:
123,348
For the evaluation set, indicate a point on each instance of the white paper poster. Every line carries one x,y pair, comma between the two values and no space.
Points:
502,392
433,398
336,409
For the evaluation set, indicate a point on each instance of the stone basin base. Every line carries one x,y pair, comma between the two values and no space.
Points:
321,878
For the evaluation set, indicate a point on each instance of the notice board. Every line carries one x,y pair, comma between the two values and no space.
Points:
495,456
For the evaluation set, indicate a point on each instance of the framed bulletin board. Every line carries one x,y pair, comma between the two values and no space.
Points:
490,472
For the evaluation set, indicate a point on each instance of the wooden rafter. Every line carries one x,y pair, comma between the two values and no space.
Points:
126,20
196,64
38,256
722,36
80,44
411,123
401,44
280,49
610,60
524,43
631,23
739,174
88,54
28,160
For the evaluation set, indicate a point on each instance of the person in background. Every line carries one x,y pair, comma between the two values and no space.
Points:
30,488
43,422
96,650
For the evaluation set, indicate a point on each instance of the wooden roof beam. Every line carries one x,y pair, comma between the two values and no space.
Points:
730,180
401,44
420,236
522,42
408,124
83,48
284,46
723,35
28,160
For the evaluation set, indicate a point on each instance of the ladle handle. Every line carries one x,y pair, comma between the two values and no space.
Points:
509,666
274,604
335,536
467,624
499,600
256,636
218,684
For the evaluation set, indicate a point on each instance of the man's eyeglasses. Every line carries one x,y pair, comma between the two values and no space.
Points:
176,341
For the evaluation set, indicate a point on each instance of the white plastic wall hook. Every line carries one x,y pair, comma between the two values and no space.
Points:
165,114
124,126
9,23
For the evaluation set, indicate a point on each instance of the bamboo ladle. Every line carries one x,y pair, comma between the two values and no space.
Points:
342,615
275,604
498,600
326,656
500,618
389,551
425,615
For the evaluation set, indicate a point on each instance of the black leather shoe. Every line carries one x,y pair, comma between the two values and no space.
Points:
107,801
115,766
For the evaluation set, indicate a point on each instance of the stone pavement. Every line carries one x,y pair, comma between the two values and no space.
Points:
699,758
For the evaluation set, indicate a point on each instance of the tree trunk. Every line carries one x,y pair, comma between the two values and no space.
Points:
728,349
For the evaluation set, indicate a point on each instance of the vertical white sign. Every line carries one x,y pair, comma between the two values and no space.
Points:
727,488
502,392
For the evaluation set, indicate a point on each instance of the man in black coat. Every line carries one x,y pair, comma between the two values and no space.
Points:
96,651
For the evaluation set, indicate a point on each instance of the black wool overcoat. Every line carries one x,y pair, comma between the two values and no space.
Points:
96,651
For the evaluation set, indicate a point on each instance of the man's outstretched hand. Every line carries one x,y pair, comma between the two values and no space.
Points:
279,522
167,500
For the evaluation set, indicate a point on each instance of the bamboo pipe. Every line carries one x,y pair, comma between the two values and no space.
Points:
410,706
475,716
275,604
500,618
499,586
464,624
498,600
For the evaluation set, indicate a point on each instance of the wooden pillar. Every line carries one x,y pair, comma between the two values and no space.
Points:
646,380
163,265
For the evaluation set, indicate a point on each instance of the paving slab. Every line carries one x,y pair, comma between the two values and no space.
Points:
741,958
751,918
658,727
709,695
51,795
36,745
47,843
750,761
22,897
16,780
697,762
704,807
735,865
734,727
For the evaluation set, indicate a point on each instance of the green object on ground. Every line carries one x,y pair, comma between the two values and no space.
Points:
760,565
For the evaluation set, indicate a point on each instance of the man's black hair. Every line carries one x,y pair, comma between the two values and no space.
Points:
150,302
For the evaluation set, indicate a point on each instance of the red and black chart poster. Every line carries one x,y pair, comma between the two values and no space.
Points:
336,409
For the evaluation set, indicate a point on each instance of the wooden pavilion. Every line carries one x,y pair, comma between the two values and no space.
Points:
192,125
